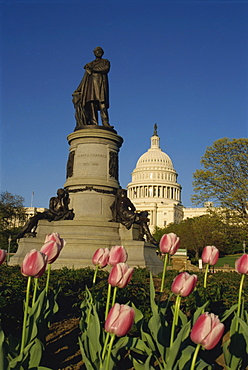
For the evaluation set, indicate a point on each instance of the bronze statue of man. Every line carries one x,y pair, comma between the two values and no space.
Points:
58,210
124,211
92,94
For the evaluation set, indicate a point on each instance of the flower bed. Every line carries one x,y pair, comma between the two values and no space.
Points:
172,321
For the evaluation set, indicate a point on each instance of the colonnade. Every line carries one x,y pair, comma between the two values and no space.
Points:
155,191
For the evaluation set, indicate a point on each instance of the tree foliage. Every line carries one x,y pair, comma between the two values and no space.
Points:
214,228
224,177
234,227
12,213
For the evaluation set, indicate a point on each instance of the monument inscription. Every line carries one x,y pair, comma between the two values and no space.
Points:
92,159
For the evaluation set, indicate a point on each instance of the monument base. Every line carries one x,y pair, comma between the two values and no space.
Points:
84,237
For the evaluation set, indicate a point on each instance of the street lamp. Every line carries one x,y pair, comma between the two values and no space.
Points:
244,245
9,241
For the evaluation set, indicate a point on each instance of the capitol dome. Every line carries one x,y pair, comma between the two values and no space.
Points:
154,157
154,185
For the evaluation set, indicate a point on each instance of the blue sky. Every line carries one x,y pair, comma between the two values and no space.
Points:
180,64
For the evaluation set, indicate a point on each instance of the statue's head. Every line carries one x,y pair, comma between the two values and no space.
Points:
60,192
122,193
98,51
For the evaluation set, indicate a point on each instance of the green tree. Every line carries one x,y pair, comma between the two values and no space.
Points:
196,233
224,177
12,213
234,227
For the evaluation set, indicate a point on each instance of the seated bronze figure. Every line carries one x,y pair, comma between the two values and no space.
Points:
58,210
124,211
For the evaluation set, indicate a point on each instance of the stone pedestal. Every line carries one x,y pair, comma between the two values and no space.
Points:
92,172
83,238
92,183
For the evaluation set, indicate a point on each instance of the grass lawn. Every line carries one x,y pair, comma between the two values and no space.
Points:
230,259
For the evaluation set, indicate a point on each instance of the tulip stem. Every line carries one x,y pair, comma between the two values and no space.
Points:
48,277
114,295
175,318
25,315
164,272
195,356
109,350
35,291
240,297
95,274
105,345
108,300
205,276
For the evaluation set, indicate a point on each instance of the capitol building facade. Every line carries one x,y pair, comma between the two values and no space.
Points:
154,188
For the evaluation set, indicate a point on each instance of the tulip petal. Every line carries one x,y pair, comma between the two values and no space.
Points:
3,255
125,322
214,336
56,238
201,328
189,285
101,257
120,319
184,284
210,255
241,264
207,330
169,243
112,317
117,254
34,264
126,277
115,275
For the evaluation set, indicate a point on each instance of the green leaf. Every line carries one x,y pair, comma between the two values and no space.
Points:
235,348
88,364
202,365
243,329
120,343
182,317
147,363
139,346
3,359
227,313
186,356
154,307
159,332
94,331
149,339
199,311
138,365
35,353
138,314
174,349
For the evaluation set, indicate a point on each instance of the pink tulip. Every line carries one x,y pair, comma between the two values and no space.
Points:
184,284
52,250
34,264
169,243
210,255
241,264
120,275
117,254
120,319
207,330
56,238
3,255
101,257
